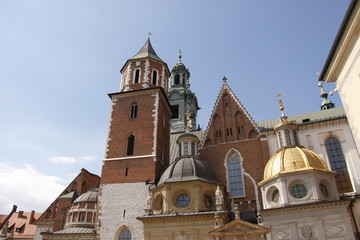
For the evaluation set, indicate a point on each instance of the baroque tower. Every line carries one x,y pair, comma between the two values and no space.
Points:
182,99
137,146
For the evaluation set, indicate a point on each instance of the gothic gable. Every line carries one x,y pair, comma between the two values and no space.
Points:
229,120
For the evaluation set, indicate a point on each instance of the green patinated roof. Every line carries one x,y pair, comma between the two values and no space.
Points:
305,118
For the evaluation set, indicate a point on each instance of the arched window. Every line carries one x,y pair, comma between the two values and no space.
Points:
235,176
82,217
186,148
177,79
130,145
137,75
338,164
295,136
154,77
192,148
133,110
125,234
281,141
288,137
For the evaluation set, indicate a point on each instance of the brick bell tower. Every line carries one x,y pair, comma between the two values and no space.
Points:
137,146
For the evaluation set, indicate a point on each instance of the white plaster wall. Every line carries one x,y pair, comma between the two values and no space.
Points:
331,222
348,85
343,133
113,200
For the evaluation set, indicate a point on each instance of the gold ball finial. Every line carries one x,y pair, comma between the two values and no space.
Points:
280,101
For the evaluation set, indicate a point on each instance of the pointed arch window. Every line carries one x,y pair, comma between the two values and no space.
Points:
130,145
137,76
133,111
125,234
235,176
154,77
338,164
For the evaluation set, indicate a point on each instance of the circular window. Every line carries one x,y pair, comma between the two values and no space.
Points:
275,196
183,200
298,190
324,191
207,201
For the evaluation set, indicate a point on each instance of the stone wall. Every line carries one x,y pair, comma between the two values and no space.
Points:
120,204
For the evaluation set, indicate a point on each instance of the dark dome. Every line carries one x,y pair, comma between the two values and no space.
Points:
90,196
186,169
179,66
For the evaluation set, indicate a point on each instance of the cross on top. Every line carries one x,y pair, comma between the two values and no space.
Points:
224,79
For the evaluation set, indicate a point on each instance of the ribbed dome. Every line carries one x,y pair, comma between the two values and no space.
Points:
90,196
188,169
293,159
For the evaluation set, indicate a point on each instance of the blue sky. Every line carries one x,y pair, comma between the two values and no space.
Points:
60,59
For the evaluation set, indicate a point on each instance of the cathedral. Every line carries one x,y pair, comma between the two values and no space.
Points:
165,178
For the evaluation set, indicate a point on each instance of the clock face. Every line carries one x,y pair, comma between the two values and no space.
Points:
207,201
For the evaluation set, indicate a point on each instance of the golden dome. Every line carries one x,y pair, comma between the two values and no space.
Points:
293,159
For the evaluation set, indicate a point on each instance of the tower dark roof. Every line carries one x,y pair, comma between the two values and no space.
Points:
147,51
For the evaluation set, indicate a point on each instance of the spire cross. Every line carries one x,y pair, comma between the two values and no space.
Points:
180,55
149,34
224,79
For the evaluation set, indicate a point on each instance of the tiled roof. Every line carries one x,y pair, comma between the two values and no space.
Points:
75,230
26,228
305,118
68,195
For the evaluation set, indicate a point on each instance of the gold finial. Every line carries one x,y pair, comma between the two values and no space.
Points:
149,34
188,118
224,79
280,101
180,55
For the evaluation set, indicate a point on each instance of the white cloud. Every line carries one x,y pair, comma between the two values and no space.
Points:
64,159
27,188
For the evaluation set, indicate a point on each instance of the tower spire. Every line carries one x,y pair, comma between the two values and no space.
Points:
326,104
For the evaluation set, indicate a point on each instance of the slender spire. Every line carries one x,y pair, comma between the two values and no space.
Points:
147,51
326,104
